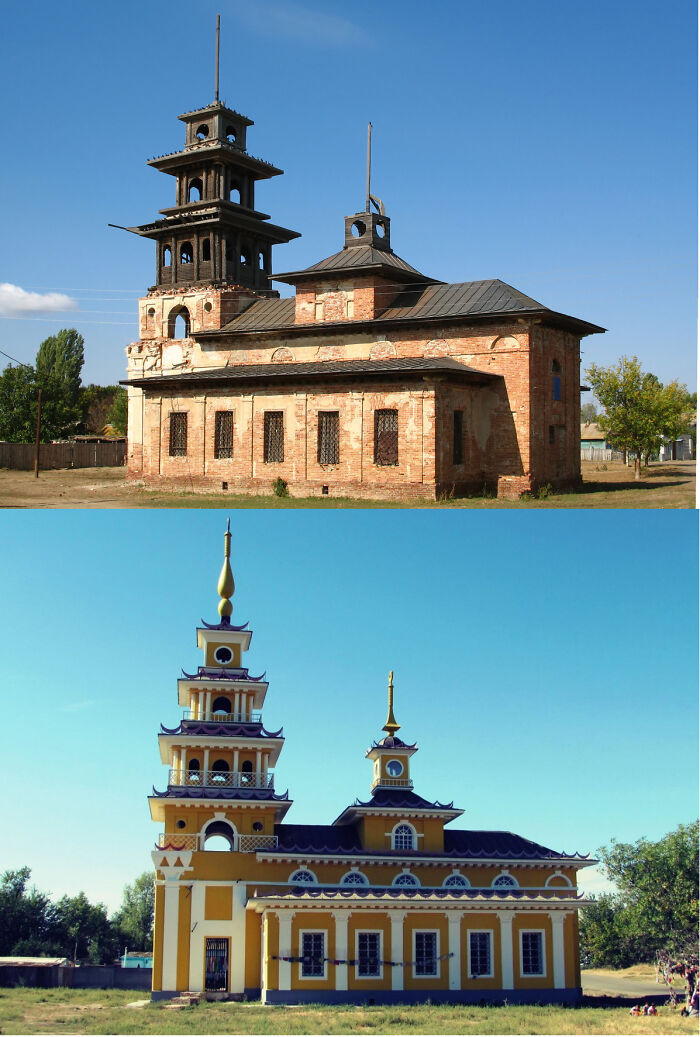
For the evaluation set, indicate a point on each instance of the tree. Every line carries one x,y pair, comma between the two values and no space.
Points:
59,362
96,402
134,919
638,410
117,415
84,931
24,913
18,400
589,413
677,413
656,904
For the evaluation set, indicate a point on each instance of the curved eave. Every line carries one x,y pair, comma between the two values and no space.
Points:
351,814
430,900
381,857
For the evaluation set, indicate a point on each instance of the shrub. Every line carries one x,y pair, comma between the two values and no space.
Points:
280,488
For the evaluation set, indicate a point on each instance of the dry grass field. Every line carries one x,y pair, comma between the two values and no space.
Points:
25,1011
671,485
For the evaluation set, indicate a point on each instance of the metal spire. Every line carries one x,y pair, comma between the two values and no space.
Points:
369,162
226,585
391,727
216,72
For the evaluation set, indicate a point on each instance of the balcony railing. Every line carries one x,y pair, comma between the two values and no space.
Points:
221,779
223,718
404,783
240,843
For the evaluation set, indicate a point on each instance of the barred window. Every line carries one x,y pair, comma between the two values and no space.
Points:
223,433
403,837
328,437
426,963
386,437
274,436
504,882
313,952
458,437
480,954
532,956
178,434
369,954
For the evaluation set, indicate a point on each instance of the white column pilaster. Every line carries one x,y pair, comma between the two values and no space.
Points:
258,768
205,763
506,920
238,942
397,971
237,704
183,766
341,948
171,911
285,947
558,960
264,954
454,946
235,767
197,937
207,703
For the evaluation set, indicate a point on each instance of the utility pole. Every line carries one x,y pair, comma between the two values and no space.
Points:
38,428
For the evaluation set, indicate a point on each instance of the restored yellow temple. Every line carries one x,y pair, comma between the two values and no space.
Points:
386,904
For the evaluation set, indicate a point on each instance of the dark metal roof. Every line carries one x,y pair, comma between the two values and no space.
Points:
400,797
264,315
358,259
393,369
213,727
223,624
211,673
392,742
203,792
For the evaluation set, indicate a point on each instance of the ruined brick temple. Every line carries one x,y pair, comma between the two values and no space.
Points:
373,380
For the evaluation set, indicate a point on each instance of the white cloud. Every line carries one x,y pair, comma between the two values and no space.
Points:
16,301
300,23
592,881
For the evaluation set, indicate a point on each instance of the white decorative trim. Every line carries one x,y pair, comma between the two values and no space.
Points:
505,874
301,882
533,975
353,871
379,975
427,975
558,875
506,922
403,824
414,884
481,975
463,884
558,954
316,978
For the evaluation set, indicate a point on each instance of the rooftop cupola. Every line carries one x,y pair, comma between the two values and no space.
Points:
391,755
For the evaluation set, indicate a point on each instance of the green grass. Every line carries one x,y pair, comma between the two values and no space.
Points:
59,1011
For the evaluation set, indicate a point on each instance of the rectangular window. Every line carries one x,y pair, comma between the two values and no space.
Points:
386,437
318,311
223,433
369,954
480,953
313,955
216,964
178,435
425,954
273,449
458,437
556,387
532,953
328,436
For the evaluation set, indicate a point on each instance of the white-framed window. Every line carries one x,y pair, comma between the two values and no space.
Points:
426,948
312,947
504,881
368,954
303,877
456,880
405,879
480,953
532,960
394,768
354,878
403,837
559,881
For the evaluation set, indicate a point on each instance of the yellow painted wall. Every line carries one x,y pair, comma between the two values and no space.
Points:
369,921
481,920
211,648
157,975
272,966
431,921
318,920
218,903
532,920
183,938
253,946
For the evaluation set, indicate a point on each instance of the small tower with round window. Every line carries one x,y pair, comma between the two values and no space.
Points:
390,755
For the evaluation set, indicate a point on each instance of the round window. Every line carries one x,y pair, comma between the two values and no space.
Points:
223,655
180,824
394,768
257,826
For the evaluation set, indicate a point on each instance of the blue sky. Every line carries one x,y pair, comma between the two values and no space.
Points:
549,144
545,663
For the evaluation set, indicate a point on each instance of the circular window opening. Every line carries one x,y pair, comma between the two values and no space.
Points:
257,826
381,230
207,307
358,229
179,824
202,132
231,134
394,768
223,654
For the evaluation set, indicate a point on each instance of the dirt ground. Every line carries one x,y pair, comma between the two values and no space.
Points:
668,485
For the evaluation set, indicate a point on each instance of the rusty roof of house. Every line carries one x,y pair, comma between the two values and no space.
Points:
590,430
355,260
394,368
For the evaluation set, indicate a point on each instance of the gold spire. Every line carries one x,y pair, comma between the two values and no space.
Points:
391,727
226,586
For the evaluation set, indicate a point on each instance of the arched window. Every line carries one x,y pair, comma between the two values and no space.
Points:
206,250
195,190
404,837
247,773
231,134
303,877
202,132
186,252
245,256
404,879
220,772
194,775
167,256
221,705
504,882
219,835
234,193
559,880
354,878
179,322
556,380
456,881
261,260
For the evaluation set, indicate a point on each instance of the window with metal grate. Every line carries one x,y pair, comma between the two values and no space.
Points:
273,449
480,954
426,963
178,434
328,437
369,953
223,433
386,437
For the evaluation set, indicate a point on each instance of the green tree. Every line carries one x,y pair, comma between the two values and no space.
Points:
117,414
18,399
83,930
589,413
96,401
677,412
25,914
134,919
655,906
59,362
633,406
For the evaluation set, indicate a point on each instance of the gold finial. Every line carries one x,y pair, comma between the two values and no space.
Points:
226,586
391,727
